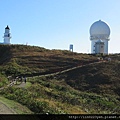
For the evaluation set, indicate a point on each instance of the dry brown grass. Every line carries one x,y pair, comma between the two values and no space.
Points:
70,109
38,60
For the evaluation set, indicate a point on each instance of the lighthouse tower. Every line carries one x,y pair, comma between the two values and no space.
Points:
7,36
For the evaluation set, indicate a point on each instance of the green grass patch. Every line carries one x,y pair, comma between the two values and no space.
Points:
23,85
3,80
18,108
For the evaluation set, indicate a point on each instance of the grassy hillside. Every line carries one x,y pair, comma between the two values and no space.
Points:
15,107
91,88
3,80
102,78
22,59
49,94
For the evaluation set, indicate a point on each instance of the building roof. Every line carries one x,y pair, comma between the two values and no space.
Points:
100,41
7,27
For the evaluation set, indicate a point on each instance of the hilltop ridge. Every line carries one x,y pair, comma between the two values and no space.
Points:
21,59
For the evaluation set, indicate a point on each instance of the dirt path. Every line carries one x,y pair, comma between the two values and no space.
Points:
4,109
23,84
11,84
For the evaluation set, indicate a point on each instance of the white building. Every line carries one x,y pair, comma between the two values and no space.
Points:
99,47
7,36
99,30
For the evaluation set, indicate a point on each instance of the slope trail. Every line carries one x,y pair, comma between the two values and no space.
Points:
22,84
73,68
4,109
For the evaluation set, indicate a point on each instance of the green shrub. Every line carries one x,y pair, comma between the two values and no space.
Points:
3,80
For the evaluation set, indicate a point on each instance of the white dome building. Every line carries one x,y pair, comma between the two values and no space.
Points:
99,30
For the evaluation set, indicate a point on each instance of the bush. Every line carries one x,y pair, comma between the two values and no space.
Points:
3,80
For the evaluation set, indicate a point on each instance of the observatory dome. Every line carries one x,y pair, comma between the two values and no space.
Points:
99,30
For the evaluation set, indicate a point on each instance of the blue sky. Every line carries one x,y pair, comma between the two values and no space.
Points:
55,24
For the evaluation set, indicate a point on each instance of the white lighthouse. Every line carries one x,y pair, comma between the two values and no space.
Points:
99,31
7,36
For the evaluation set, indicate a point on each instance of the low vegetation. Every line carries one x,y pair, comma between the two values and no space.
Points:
3,80
90,88
15,107
31,60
